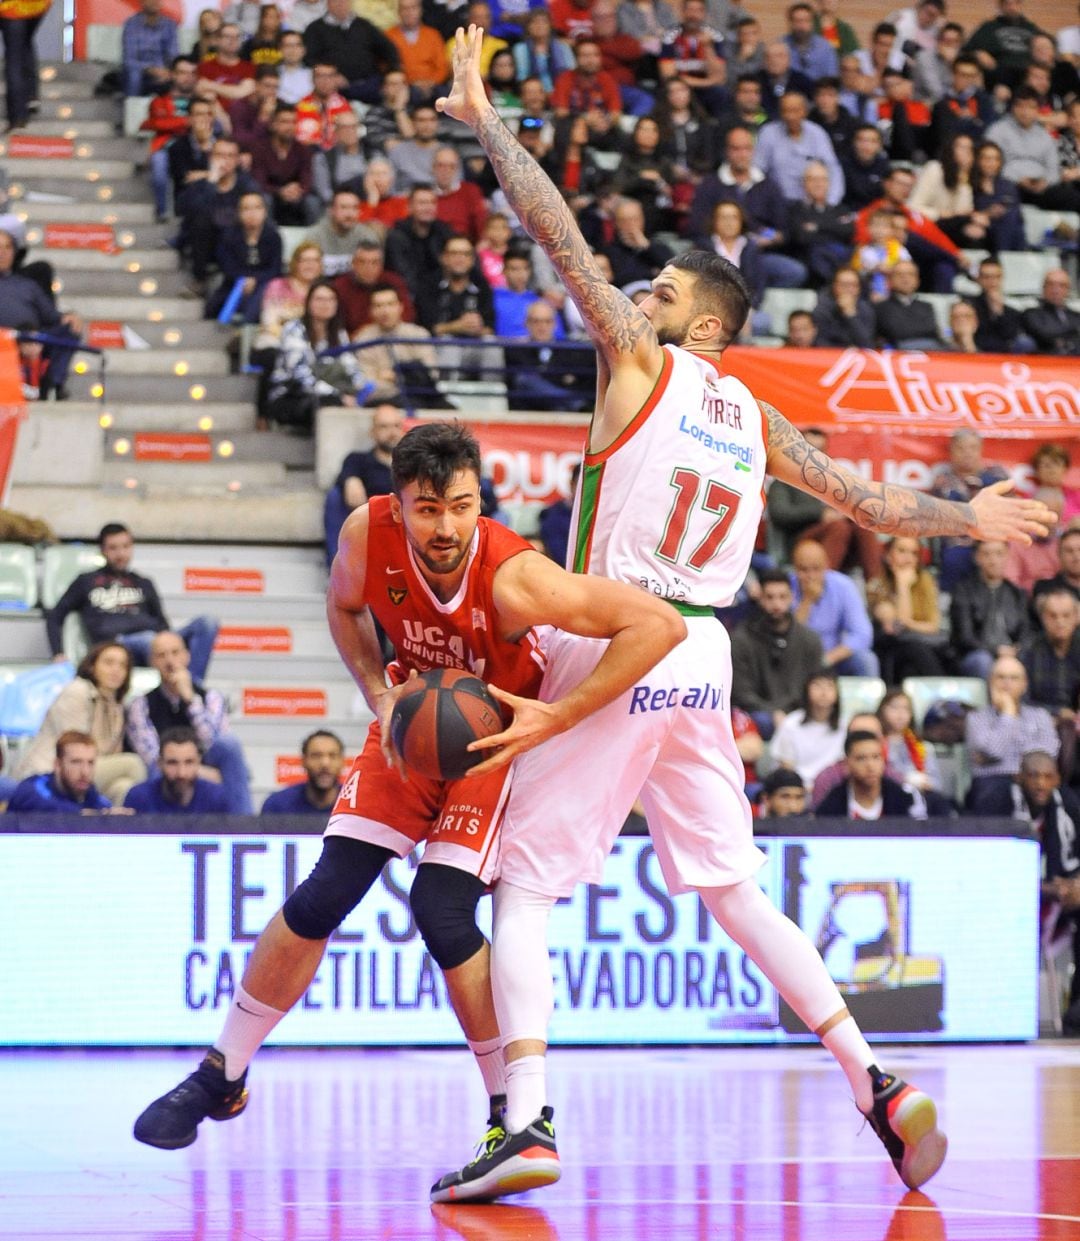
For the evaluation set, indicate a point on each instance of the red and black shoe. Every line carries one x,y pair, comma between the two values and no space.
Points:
905,1120
505,1163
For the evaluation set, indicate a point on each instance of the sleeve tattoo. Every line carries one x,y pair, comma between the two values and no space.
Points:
883,507
614,322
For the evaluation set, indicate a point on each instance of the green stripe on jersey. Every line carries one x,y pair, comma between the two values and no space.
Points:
590,491
692,609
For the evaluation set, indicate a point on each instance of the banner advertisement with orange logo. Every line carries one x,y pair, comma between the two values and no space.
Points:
12,408
888,415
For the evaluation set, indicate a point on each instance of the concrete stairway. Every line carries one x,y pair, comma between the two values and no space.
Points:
167,370
274,660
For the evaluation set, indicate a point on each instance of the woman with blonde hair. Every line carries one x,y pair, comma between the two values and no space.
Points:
93,704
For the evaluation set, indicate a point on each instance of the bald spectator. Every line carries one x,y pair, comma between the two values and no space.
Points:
541,373
358,50
778,78
181,702
461,204
1054,326
830,604
343,166
785,146
998,735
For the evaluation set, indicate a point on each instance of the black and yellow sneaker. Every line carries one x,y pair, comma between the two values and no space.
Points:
905,1120
505,1163
171,1121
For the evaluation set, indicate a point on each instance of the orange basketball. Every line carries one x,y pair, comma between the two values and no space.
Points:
437,716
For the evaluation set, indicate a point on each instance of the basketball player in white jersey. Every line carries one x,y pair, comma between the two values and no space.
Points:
670,499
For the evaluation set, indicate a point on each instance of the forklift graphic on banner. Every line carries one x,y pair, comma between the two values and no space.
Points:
864,936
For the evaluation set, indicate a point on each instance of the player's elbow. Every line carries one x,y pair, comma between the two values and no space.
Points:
669,628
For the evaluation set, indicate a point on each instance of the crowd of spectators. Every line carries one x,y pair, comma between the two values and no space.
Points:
861,164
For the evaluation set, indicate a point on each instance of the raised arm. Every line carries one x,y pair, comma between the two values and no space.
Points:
890,509
618,329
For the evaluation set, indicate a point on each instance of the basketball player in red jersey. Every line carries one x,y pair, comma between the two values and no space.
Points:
451,589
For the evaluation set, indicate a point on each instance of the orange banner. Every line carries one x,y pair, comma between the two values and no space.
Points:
81,237
224,581
171,446
283,702
12,407
257,639
105,335
889,415
39,146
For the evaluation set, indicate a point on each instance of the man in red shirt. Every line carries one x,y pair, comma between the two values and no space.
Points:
226,77
461,204
587,89
355,286
316,113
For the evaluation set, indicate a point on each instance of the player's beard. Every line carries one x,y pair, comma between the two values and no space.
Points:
443,567
673,335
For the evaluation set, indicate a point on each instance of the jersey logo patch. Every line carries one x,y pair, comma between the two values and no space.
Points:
397,594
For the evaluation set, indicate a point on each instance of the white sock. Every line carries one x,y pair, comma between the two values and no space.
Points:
491,1063
246,1027
852,1052
526,1091
786,956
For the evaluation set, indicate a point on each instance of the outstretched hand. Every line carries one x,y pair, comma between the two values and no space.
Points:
533,722
1010,519
467,98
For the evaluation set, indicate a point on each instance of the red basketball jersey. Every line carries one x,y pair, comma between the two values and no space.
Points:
462,633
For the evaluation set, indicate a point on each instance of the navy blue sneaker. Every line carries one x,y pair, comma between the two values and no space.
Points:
505,1163
171,1122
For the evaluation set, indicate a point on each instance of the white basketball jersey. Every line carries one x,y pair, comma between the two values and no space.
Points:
674,504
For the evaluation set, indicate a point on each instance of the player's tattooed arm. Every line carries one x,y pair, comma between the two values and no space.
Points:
891,509
614,322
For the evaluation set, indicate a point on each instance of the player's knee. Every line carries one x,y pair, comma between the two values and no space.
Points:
345,871
443,901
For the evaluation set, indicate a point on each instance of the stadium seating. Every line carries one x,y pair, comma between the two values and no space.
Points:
18,576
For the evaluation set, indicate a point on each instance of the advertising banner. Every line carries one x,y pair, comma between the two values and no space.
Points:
888,415
140,939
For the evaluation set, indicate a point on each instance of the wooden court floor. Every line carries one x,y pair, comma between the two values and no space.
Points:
665,1144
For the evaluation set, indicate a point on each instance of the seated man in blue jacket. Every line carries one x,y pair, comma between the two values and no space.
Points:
178,790
69,787
323,756
868,793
